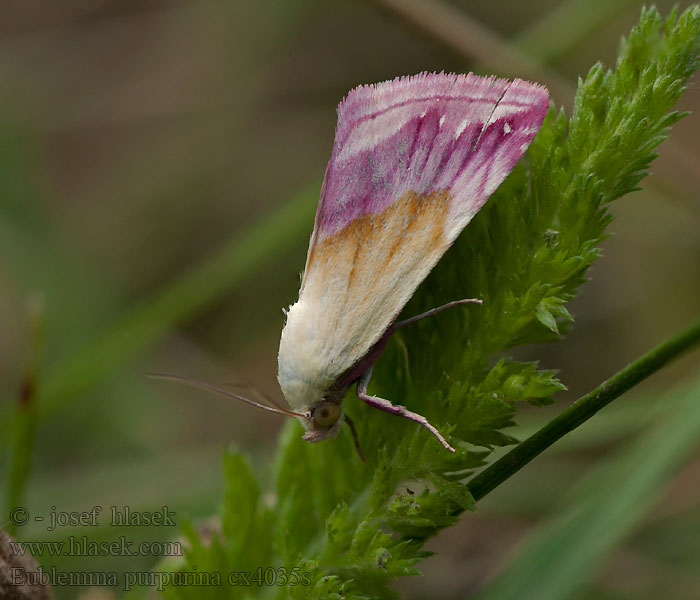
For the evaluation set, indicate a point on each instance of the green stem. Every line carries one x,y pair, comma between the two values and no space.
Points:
582,410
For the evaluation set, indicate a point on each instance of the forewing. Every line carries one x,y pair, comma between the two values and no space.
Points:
413,160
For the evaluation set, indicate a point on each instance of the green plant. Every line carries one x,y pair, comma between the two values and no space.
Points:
352,526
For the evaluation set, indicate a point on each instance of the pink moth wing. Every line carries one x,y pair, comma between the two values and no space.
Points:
413,161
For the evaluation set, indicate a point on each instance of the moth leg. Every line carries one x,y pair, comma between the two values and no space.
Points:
351,425
395,409
434,311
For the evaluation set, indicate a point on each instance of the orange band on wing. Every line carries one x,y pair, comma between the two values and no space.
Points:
360,277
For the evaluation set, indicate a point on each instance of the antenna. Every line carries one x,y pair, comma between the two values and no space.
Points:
217,390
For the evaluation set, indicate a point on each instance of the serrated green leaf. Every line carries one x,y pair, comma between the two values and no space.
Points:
545,317
354,526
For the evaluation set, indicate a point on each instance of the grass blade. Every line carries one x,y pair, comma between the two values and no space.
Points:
559,559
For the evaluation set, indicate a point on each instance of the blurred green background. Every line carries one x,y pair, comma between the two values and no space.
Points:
143,141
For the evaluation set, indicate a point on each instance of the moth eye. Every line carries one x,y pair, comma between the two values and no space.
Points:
326,414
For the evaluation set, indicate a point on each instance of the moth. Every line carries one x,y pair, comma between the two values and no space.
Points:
413,160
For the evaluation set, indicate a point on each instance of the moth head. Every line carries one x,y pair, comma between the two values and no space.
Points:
322,420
